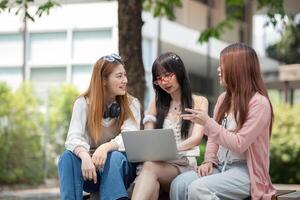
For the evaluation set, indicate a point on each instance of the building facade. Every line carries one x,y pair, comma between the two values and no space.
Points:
63,46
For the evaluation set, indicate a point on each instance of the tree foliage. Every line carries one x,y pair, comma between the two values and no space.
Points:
285,144
20,136
236,14
21,7
60,111
24,129
57,120
162,7
287,50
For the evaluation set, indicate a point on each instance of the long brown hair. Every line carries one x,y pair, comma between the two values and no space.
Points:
241,73
95,95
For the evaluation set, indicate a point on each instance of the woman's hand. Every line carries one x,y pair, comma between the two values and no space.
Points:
88,168
196,116
205,169
100,155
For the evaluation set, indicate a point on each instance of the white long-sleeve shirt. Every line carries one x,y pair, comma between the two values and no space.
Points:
78,133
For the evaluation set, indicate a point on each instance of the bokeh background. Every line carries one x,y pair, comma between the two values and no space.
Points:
47,49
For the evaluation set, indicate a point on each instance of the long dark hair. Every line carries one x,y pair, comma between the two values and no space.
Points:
171,63
241,72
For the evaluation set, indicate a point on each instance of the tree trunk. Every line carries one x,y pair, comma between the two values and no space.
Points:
130,45
246,24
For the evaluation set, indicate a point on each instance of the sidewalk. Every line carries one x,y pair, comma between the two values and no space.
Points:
53,193
48,191
32,194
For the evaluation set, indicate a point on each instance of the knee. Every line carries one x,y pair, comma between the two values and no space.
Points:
65,159
195,190
68,162
192,188
149,166
116,158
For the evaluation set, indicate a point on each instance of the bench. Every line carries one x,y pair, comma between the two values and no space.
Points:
280,195
290,196
95,196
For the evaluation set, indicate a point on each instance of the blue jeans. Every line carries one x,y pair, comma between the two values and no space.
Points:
113,180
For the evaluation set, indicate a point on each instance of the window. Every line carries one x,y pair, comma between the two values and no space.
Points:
88,46
81,76
11,49
207,2
48,48
48,74
46,78
12,76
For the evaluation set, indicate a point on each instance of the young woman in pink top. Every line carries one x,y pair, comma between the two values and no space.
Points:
236,163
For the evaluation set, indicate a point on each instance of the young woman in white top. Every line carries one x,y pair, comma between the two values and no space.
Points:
172,95
92,161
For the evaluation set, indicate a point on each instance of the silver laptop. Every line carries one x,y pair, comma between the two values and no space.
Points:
150,145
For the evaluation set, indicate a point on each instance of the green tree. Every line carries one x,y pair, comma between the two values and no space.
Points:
287,50
57,120
162,8
21,7
20,136
60,111
130,38
130,25
240,11
285,144
130,45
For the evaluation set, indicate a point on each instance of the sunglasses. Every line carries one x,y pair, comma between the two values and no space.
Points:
112,57
164,78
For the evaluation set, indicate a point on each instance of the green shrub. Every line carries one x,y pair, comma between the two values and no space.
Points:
285,144
24,130
20,136
60,110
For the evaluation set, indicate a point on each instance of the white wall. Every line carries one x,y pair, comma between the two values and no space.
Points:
72,37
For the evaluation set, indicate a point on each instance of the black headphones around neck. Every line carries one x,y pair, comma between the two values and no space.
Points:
113,111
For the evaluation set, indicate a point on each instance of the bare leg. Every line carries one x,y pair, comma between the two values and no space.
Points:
155,194
152,176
